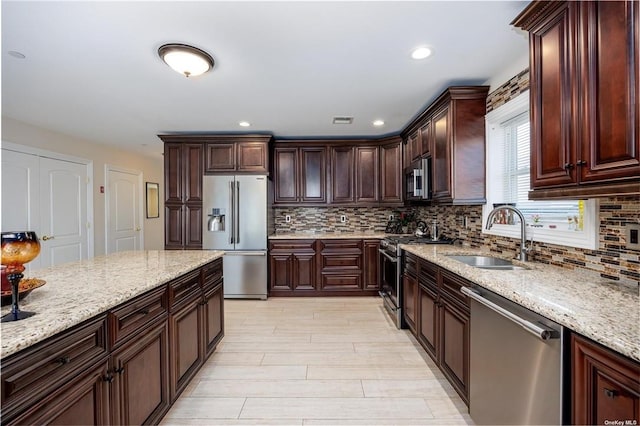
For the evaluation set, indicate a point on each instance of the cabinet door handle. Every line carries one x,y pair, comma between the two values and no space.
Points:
581,163
610,393
568,166
47,237
119,370
108,378
62,360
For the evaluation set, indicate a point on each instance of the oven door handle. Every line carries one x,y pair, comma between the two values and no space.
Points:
391,259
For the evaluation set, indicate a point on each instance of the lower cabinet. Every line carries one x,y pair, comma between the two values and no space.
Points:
139,378
441,321
605,385
326,267
126,366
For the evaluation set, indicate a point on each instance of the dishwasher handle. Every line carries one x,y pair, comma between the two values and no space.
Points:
540,332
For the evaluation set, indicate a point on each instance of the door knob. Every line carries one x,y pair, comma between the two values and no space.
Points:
47,237
138,229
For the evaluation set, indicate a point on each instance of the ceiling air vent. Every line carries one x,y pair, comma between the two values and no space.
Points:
342,120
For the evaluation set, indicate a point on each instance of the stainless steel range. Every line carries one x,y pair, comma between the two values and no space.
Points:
391,271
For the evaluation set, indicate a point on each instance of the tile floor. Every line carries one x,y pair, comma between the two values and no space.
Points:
313,361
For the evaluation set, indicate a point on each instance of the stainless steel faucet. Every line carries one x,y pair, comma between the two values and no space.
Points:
524,251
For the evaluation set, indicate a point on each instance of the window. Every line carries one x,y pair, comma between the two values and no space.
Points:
564,222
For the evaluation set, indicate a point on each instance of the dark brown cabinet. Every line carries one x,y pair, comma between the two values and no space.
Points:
327,267
116,368
183,195
371,260
240,154
342,175
300,175
345,173
340,265
139,378
292,266
438,314
605,385
584,83
391,173
451,132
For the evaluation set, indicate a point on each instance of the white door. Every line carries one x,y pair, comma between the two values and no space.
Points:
21,195
50,197
63,211
124,210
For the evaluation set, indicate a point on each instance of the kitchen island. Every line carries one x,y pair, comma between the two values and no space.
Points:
115,338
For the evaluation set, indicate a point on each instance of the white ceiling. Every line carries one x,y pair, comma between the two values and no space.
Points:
92,71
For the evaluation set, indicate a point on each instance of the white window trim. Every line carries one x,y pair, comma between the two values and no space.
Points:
587,239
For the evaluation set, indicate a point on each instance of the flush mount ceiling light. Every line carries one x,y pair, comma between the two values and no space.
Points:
187,60
378,123
244,124
342,120
421,53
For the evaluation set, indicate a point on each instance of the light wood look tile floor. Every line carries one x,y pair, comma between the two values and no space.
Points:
314,361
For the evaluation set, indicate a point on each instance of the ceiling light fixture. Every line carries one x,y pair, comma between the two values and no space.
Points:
378,123
16,54
244,124
342,120
187,60
421,53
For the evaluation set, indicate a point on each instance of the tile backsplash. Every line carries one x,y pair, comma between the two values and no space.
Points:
612,259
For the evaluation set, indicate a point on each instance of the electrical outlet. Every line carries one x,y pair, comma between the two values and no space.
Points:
633,236
391,217
343,218
287,218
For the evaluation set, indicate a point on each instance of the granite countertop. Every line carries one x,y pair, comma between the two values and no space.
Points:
328,235
598,308
77,291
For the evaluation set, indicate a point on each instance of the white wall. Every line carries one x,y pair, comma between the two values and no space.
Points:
152,168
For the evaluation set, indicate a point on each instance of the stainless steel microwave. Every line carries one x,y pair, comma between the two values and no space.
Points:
418,179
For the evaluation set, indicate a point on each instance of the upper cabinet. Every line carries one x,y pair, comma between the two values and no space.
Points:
332,172
299,174
451,132
584,98
237,154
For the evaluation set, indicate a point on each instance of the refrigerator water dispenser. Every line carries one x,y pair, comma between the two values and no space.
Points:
216,220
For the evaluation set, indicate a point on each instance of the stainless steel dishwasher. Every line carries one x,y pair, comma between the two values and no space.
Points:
516,363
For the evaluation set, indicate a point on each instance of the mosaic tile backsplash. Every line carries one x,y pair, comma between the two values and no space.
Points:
610,260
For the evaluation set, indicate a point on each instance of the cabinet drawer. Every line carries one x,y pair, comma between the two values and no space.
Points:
346,262
451,285
212,274
410,264
292,245
30,374
341,246
129,319
184,289
341,281
428,274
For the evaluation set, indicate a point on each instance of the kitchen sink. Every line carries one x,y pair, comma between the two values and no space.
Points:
487,262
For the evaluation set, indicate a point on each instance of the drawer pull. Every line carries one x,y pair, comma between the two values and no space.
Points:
610,393
108,378
62,360
143,312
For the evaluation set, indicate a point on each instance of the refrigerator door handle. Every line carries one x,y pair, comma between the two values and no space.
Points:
231,207
237,213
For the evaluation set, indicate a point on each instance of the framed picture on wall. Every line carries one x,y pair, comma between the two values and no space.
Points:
153,200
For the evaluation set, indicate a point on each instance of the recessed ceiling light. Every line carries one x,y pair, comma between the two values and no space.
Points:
421,53
16,54
378,123
244,124
185,59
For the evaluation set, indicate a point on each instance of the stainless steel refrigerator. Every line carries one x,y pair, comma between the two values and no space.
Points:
235,220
